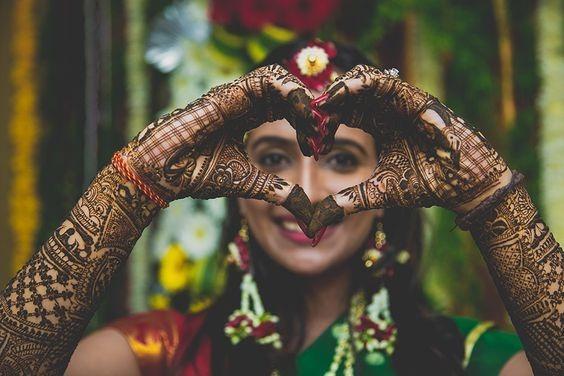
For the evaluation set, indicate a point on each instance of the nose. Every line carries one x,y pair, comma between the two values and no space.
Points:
310,180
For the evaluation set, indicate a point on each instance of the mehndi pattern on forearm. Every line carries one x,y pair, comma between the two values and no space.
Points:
47,305
527,264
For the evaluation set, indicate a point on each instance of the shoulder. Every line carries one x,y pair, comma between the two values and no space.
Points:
156,338
486,348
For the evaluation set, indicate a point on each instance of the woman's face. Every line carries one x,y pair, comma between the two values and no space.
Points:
273,148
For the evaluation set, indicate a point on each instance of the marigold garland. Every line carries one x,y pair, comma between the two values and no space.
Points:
24,133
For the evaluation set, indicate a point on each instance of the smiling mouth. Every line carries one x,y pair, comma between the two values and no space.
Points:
290,225
289,229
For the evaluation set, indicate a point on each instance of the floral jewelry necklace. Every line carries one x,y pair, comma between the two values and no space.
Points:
373,332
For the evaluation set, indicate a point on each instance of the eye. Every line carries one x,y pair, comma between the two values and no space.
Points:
273,161
342,161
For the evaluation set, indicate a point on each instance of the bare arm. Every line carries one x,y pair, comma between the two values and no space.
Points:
103,353
517,365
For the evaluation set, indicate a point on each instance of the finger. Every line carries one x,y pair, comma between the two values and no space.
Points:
325,213
298,203
226,171
302,119
369,194
391,95
298,112
333,122
441,128
335,98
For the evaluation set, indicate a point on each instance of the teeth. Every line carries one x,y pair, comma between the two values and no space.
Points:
291,226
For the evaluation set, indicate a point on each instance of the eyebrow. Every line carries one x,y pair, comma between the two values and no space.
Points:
348,142
285,142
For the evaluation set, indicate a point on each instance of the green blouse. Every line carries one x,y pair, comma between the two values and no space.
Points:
486,351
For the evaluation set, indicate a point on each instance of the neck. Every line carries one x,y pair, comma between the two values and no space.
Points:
327,297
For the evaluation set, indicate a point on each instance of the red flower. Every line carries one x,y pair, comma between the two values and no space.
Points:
264,329
239,321
223,11
320,80
243,252
254,14
366,323
306,15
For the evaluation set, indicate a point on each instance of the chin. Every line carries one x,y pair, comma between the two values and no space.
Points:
285,243
306,262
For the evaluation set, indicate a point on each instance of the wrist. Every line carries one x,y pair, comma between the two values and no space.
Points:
132,177
477,214
503,181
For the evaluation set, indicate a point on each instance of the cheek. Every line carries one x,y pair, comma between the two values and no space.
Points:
254,211
357,228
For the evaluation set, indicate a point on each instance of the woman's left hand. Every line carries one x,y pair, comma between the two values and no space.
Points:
427,155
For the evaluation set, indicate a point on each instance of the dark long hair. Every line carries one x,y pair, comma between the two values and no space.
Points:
427,343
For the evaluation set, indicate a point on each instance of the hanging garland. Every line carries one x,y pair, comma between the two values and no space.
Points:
23,128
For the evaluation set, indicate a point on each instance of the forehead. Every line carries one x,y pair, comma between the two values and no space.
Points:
281,128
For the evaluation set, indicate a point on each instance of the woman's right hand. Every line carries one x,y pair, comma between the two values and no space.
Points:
198,151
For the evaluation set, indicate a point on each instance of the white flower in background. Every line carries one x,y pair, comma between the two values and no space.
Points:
180,24
199,236
216,207
171,223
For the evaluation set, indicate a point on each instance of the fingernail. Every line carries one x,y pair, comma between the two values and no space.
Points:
313,145
303,226
316,102
318,235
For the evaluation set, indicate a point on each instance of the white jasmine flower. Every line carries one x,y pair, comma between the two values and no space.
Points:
200,235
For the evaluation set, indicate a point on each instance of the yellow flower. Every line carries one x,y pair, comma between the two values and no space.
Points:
174,272
200,305
159,301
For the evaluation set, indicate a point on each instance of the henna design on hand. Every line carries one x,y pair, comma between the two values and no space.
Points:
427,155
191,152
45,308
526,264
224,169
165,154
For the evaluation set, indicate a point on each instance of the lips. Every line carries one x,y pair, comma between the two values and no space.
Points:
291,230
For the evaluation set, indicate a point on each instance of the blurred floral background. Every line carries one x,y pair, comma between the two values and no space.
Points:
80,78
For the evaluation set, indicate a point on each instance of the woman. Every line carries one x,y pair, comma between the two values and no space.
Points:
293,307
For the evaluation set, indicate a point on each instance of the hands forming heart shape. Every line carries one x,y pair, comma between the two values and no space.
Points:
426,154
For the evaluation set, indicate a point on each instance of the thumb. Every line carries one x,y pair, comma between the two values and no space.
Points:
334,208
228,172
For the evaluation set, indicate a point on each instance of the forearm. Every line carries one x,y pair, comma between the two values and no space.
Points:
46,306
526,263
